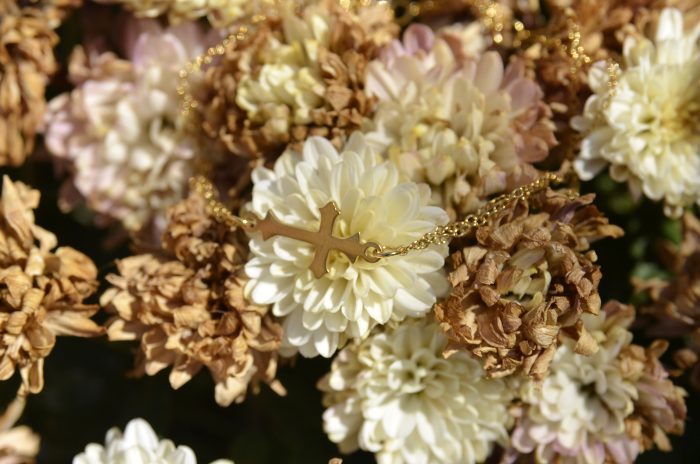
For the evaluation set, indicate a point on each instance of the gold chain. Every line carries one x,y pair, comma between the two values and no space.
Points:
445,234
204,188
613,71
188,101
438,236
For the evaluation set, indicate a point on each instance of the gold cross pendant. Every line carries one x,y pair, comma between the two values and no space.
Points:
323,239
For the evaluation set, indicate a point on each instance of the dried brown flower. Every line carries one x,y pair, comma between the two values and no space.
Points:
660,408
41,291
675,303
18,445
294,75
187,308
26,63
528,278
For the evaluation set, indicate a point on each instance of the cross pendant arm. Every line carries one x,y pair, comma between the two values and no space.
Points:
323,239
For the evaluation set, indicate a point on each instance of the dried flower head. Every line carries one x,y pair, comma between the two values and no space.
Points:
220,13
120,131
458,122
188,311
615,403
18,444
675,303
296,74
26,62
529,277
395,395
646,129
41,291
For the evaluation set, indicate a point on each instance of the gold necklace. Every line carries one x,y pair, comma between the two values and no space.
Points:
353,247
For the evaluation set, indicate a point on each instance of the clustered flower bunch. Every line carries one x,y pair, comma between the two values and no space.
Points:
502,343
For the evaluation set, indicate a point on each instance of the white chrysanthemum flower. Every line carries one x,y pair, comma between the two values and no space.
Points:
121,128
288,84
395,395
577,414
374,201
648,128
139,444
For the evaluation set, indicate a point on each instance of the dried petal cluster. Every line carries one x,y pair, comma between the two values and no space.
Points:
296,74
615,403
26,62
219,12
41,291
18,444
676,302
529,277
188,311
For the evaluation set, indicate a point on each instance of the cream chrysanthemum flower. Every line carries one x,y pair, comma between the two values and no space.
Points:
577,414
395,395
138,444
648,128
374,201
289,84
458,122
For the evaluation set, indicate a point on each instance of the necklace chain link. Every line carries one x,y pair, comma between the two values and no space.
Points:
441,235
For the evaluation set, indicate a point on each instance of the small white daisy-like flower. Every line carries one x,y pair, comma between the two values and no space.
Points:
648,128
139,444
395,395
375,202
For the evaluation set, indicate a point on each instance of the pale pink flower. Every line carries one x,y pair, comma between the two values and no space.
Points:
120,131
461,123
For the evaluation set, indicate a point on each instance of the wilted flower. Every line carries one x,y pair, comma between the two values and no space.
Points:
460,123
297,74
139,444
18,445
675,303
647,128
607,407
529,277
219,12
395,395
374,202
26,62
188,311
41,291
121,131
